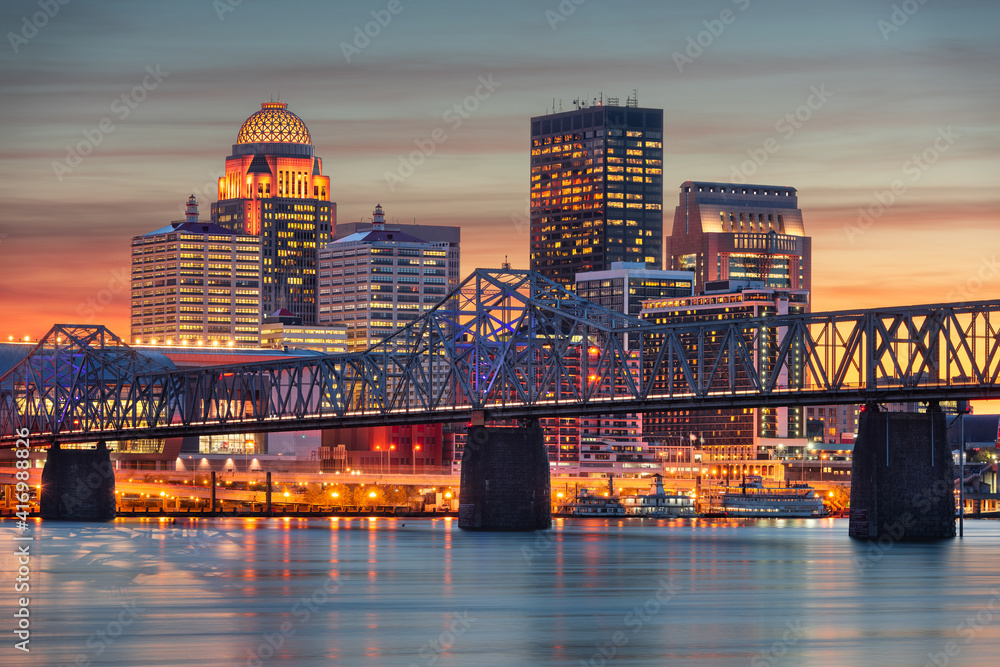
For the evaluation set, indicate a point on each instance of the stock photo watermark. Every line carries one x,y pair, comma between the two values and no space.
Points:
971,626
120,281
122,107
107,633
786,126
31,24
522,221
454,116
301,611
364,34
223,7
699,43
542,544
898,17
987,271
562,12
432,649
777,650
913,169
22,542
635,620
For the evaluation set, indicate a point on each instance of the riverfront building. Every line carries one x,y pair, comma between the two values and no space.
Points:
596,189
729,437
274,188
594,442
195,283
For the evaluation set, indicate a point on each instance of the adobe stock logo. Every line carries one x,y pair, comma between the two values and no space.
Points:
122,107
31,25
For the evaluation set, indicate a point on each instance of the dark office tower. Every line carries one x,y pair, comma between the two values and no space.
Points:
274,188
596,190
729,231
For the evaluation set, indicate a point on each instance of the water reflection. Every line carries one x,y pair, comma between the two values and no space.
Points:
420,592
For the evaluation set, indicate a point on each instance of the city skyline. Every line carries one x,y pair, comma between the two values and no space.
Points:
837,108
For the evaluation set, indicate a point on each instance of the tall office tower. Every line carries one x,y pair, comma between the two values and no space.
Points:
195,283
379,280
728,231
730,437
274,188
596,189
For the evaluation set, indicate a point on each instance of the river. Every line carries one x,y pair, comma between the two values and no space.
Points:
420,592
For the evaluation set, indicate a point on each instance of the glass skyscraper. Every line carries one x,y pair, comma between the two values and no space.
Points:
596,190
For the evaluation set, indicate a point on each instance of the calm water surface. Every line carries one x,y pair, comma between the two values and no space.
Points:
420,592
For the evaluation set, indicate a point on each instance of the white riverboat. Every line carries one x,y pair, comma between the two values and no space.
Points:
590,504
587,504
754,500
659,504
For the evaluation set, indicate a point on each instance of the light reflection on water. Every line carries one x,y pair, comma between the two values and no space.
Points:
420,592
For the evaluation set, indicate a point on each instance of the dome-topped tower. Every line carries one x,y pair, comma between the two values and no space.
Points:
274,188
274,123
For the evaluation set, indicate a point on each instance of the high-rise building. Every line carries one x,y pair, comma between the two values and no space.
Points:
274,188
596,189
195,282
726,231
622,287
729,437
379,280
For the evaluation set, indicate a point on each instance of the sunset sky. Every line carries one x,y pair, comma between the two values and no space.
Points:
915,78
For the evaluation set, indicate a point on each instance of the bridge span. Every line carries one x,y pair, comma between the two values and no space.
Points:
509,345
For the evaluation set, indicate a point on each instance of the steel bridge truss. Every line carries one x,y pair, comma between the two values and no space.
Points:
510,344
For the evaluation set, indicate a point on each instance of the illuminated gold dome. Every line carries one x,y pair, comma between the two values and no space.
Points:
274,123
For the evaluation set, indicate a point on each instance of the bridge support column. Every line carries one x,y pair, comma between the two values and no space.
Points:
269,494
78,484
505,480
902,478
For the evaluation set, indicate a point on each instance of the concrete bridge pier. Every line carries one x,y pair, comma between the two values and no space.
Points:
902,478
505,480
78,484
